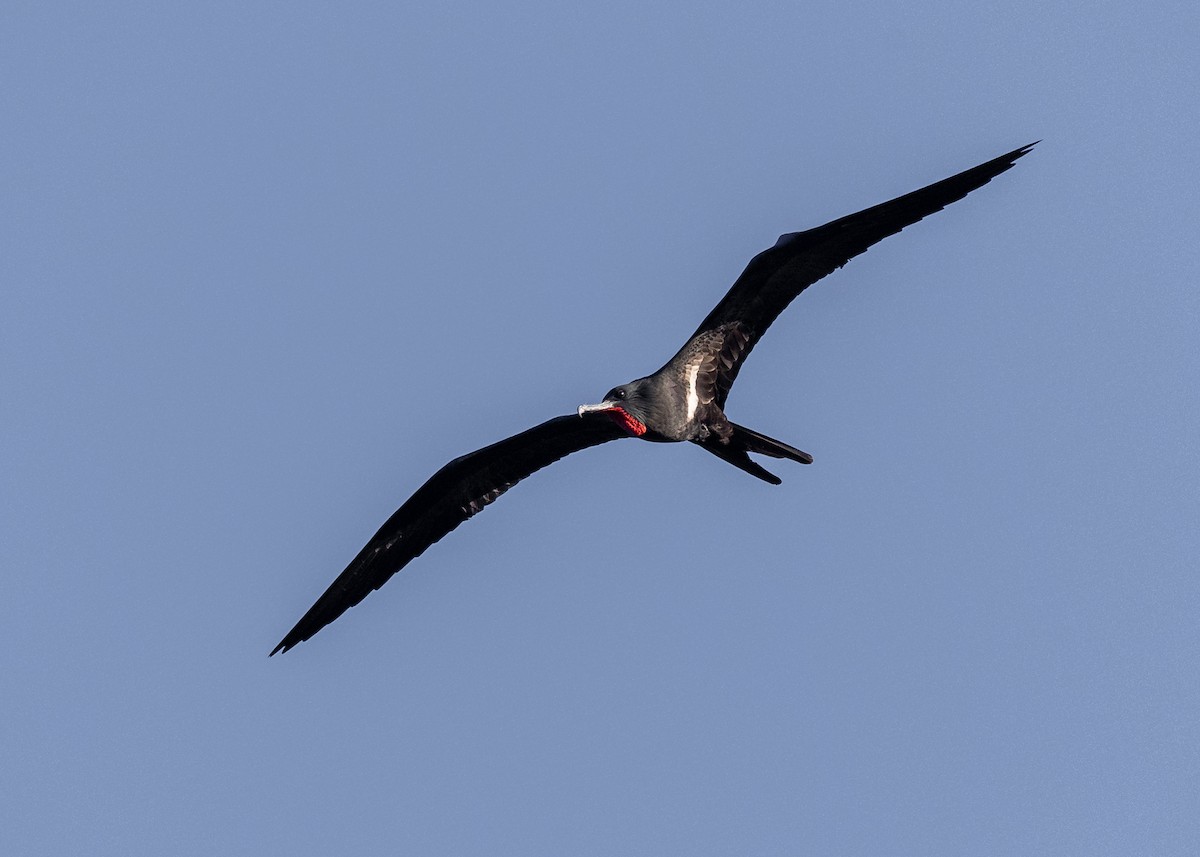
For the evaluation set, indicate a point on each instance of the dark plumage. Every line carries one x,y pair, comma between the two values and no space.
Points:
682,401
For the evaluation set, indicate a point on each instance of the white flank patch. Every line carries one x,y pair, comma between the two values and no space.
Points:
693,398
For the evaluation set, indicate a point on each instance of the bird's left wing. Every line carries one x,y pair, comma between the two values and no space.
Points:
456,492
776,276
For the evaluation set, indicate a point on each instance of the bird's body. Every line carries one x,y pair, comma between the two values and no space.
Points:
682,401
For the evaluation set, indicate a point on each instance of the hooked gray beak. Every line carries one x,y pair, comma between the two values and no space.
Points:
603,406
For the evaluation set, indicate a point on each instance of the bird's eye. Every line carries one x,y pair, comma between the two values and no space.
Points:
619,394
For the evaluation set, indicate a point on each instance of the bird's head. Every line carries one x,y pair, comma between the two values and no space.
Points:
628,405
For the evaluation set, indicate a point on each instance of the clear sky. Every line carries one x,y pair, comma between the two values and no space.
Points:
266,267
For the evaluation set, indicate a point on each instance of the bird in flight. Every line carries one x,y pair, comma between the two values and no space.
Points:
684,400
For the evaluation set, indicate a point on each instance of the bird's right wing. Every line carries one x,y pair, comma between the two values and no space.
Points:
456,492
776,276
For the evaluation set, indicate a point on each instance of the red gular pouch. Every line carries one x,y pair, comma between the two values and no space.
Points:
627,421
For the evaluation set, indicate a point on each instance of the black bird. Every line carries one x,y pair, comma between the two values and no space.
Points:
684,400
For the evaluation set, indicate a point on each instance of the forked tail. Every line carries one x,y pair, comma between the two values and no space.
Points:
752,441
744,441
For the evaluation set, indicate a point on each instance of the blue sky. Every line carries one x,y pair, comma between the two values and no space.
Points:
266,267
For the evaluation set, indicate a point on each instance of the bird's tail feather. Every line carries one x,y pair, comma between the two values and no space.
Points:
744,441
752,441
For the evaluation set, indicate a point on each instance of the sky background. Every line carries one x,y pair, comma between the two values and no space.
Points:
265,267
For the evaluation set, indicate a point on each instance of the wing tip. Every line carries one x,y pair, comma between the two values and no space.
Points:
296,636
1011,158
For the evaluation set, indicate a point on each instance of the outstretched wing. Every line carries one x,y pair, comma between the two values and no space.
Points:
456,492
776,276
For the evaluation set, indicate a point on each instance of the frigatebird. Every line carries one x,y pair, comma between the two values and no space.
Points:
684,400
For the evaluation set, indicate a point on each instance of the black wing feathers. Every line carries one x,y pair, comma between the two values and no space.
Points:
776,276
456,492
